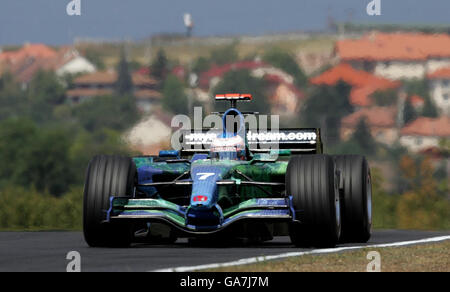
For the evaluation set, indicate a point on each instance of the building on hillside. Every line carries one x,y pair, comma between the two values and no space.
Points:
417,102
424,133
311,62
180,72
285,98
283,95
382,122
363,83
212,77
151,134
396,55
88,86
439,83
25,62
70,61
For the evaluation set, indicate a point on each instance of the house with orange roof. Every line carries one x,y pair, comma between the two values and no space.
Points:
25,62
382,122
424,133
95,84
439,82
363,84
396,55
28,50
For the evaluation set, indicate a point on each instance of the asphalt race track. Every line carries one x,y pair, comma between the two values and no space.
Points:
46,251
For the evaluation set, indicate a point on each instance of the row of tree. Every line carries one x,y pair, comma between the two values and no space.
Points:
46,143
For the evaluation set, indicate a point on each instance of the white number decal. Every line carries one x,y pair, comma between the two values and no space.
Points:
204,175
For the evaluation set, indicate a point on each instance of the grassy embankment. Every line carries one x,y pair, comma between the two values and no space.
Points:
417,258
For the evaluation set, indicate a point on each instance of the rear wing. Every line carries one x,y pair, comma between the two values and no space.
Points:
295,140
234,97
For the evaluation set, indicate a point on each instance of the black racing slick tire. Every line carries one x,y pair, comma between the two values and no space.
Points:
106,176
356,198
311,180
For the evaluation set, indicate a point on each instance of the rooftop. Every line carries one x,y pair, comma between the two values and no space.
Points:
436,127
110,77
443,73
28,50
377,46
363,83
375,117
219,71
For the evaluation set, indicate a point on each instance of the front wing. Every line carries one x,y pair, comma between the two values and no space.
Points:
274,209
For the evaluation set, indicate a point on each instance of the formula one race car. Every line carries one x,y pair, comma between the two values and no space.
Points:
229,183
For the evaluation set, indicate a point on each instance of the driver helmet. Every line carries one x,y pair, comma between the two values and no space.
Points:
228,148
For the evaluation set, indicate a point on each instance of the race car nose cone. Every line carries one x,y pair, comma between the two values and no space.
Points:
200,199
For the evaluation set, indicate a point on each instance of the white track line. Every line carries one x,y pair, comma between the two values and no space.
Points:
296,254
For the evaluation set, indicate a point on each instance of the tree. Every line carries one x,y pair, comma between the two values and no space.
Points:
363,137
15,134
13,101
114,112
241,81
200,65
44,92
35,156
224,55
385,97
124,83
174,98
47,165
159,66
409,113
325,107
429,109
86,145
421,207
287,63
45,87
416,87
95,58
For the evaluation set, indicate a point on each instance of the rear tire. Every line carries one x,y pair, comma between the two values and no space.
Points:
311,181
106,176
356,198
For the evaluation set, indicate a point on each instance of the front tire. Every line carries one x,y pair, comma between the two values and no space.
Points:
311,181
106,176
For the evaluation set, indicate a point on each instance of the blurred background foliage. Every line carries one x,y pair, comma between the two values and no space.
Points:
45,146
